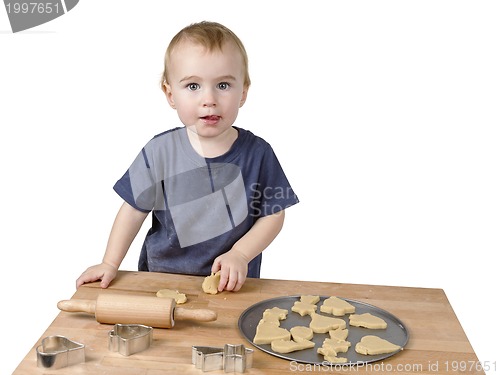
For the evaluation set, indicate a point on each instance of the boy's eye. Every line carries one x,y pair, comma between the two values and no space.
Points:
193,86
223,86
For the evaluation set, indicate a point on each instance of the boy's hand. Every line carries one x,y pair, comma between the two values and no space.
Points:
104,272
233,268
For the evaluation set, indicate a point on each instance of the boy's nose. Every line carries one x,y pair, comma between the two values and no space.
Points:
209,99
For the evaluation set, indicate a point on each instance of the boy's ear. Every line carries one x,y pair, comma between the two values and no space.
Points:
168,94
244,96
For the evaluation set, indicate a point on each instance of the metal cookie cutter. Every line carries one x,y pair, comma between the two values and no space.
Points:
128,339
207,358
57,352
237,358
231,358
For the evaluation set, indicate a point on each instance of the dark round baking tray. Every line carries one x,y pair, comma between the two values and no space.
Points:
395,332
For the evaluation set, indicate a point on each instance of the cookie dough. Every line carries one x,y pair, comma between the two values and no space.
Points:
271,320
323,324
174,294
367,320
309,299
288,346
336,306
300,333
330,355
373,345
211,283
339,334
338,346
275,313
303,308
267,332
335,345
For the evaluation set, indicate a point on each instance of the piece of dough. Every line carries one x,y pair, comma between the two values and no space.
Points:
300,333
330,355
309,299
288,346
339,334
332,346
336,306
275,312
268,332
170,293
372,345
367,320
323,324
270,319
338,346
327,351
303,308
211,283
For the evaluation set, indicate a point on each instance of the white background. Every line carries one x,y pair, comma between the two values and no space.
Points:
384,115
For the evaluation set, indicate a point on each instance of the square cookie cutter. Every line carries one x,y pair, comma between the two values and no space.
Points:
128,339
230,358
58,351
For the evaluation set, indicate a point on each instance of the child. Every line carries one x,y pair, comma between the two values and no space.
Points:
217,193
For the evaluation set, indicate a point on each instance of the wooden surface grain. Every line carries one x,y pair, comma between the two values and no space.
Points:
437,343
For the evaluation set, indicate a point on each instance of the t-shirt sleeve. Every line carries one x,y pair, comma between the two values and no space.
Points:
273,192
138,186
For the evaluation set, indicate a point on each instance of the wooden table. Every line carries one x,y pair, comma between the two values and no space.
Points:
437,341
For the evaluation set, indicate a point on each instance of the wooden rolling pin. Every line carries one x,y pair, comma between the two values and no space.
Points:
127,309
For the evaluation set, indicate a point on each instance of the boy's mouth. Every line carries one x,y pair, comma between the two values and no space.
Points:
211,119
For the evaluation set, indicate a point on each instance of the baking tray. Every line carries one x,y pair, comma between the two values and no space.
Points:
395,332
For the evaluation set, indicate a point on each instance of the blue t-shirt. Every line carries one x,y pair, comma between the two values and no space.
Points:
202,206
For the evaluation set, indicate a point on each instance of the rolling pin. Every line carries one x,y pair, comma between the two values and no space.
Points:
126,309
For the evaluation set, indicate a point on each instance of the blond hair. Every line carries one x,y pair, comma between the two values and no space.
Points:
211,35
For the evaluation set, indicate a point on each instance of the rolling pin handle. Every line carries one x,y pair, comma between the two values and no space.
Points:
80,305
200,315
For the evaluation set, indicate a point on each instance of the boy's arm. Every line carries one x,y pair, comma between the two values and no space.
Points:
127,224
234,264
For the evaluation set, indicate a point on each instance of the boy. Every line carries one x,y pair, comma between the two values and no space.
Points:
217,193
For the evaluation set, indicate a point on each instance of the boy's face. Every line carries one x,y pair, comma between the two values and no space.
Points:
206,88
